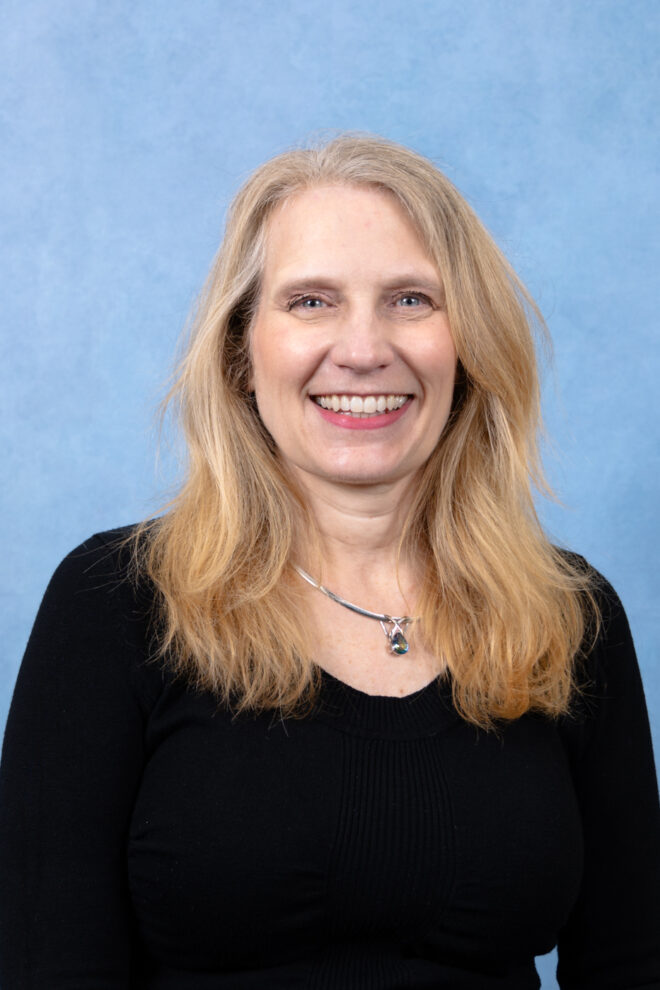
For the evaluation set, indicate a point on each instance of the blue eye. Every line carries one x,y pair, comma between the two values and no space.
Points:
307,302
412,300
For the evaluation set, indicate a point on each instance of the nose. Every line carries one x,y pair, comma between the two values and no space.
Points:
362,343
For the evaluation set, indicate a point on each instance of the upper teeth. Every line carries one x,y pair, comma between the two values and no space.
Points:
368,404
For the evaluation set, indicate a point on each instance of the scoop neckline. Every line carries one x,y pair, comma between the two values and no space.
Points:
425,712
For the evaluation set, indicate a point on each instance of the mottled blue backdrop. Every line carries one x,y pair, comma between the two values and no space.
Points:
127,126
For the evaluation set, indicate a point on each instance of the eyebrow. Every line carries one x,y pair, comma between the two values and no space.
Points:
404,281
305,285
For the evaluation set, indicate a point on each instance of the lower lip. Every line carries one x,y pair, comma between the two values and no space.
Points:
348,422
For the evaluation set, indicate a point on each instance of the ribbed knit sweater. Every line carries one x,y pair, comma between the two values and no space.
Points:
150,840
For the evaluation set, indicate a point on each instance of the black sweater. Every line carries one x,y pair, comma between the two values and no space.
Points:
149,840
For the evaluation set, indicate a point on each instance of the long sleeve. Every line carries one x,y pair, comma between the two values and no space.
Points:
612,941
72,759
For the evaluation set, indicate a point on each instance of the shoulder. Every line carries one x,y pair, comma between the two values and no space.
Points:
102,573
107,553
607,650
606,618
97,615
609,689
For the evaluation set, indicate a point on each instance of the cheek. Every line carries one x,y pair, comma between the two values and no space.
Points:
283,361
264,369
447,357
269,371
438,363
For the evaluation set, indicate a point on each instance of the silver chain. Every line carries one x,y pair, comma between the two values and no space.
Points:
392,625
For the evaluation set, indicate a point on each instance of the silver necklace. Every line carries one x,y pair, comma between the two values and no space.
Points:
392,625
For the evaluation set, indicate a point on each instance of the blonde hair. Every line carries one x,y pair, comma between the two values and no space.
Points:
505,609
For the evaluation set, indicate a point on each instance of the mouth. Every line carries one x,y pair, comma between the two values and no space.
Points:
361,406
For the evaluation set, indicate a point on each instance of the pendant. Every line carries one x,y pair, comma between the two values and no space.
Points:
399,645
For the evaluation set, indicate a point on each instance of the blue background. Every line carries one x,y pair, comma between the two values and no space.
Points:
126,128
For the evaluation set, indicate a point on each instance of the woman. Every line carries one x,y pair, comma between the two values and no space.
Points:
219,773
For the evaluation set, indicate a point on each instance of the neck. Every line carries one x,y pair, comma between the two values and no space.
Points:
360,530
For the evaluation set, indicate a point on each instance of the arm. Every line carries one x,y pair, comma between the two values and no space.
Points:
612,941
71,763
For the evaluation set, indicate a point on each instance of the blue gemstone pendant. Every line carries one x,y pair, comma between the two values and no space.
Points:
398,643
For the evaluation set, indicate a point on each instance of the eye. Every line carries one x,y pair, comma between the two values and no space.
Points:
412,300
308,303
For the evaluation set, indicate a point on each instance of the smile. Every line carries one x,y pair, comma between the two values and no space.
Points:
361,406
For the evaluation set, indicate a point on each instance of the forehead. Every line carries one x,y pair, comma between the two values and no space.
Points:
344,227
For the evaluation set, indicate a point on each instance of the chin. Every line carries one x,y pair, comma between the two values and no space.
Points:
364,475
355,472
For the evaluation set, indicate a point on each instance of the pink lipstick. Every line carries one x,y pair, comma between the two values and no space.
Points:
350,422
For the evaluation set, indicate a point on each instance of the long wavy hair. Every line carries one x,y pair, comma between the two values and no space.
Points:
505,609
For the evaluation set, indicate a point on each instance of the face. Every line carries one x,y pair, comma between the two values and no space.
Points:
353,362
